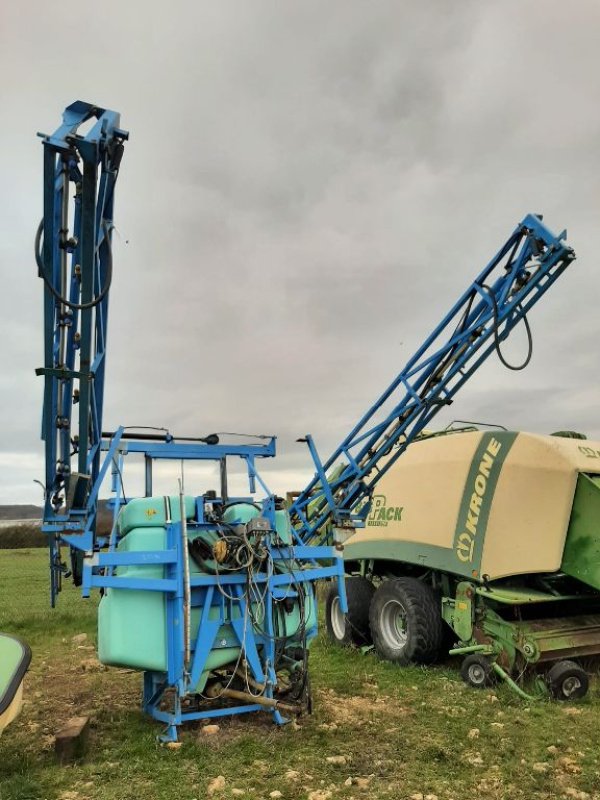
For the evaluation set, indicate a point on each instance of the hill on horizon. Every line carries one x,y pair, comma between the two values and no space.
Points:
30,511
17,511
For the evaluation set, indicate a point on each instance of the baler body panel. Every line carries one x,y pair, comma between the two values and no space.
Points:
530,509
496,504
413,515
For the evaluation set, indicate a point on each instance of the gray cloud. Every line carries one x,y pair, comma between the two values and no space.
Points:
307,189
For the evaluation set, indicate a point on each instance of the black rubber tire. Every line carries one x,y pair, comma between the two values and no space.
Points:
423,625
567,681
476,671
354,628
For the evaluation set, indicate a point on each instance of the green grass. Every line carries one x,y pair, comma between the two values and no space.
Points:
402,731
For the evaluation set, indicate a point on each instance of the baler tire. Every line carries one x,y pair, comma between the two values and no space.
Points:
567,681
476,671
414,606
351,628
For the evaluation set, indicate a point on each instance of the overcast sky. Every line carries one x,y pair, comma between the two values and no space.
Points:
307,189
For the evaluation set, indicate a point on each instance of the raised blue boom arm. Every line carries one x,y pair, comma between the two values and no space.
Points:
520,273
74,259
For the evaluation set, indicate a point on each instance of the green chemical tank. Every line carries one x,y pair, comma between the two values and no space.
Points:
132,624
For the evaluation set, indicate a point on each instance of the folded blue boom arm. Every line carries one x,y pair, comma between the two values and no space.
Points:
74,258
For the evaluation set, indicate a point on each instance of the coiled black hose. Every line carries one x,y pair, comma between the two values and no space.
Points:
515,367
50,287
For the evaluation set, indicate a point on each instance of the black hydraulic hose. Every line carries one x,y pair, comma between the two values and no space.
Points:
515,367
56,294
241,503
439,372
461,327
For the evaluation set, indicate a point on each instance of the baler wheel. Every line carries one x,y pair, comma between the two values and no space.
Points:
353,627
476,671
567,681
406,622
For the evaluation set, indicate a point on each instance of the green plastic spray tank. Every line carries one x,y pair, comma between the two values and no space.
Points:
132,623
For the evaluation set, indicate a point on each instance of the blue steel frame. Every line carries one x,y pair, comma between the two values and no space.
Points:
74,257
498,299
223,593
75,261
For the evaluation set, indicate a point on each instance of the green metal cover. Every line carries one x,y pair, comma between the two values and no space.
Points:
15,657
581,557
515,596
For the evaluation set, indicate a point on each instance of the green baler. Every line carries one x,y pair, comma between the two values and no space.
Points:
485,545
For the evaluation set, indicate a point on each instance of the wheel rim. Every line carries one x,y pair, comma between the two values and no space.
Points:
570,685
394,624
476,674
338,619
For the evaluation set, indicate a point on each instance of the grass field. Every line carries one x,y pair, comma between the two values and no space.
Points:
396,733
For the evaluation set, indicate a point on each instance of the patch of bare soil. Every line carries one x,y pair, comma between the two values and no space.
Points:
357,709
67,682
